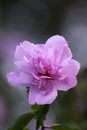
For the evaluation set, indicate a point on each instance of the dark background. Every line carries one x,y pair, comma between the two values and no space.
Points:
36,21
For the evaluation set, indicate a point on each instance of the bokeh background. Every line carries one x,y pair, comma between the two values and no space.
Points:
36,21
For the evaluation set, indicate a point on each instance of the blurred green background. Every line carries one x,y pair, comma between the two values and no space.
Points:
36,21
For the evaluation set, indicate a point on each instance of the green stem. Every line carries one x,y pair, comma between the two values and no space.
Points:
42,127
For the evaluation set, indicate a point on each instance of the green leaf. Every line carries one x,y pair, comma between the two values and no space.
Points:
40,115
64,127
22,121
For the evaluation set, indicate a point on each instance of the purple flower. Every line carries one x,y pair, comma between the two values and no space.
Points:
45,68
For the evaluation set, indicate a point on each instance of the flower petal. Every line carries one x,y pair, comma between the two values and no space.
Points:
57,49
25,66
20,53
18,78
74,66
29,48
68,75
65,56
66,84
56,43
39,96
57,40
25,49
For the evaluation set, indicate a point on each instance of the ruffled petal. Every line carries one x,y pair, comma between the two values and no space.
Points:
18,78
57,50
29,48
20,53
36,95
65,56
57,41
71,68
74,66
25,65
68,74
66,84
40,49
25,49
25,54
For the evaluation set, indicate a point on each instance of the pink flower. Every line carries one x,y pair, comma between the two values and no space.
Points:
45,68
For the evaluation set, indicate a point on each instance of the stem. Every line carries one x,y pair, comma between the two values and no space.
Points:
42,127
